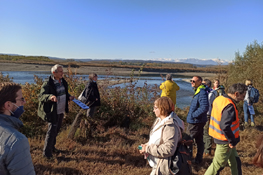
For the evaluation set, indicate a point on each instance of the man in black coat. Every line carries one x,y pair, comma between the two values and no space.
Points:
92,94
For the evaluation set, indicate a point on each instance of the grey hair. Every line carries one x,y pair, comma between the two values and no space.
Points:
207,82
91,76
238,87
169,77
55,68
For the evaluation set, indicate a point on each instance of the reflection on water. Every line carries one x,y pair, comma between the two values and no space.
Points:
184,95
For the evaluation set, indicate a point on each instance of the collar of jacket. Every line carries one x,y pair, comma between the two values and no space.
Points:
11,121
234,101
197,90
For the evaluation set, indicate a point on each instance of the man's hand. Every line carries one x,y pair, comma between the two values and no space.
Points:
53,98
71,98
231,146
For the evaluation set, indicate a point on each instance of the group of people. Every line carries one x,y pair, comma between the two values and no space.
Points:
15,157
53,104
213,115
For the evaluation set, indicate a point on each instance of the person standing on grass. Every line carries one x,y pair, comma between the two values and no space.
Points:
15,157
169,88
197,116
164,136
92,94
92,99
207,137
247,103
224,128
53,103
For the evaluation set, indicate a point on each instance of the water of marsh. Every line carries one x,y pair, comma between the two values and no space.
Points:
184,95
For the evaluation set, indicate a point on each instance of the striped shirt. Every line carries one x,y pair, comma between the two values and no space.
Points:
61,96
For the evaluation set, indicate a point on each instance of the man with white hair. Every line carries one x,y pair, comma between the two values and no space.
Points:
53,103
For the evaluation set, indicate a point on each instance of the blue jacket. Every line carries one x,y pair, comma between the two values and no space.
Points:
15,157
199,106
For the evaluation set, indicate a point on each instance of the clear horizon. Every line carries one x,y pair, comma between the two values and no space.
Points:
130,29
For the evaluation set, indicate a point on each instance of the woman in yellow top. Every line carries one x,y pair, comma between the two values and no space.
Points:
169,88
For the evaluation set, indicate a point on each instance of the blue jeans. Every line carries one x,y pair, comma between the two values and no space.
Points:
246,112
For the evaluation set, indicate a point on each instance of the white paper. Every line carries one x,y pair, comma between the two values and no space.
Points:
80,104
251,110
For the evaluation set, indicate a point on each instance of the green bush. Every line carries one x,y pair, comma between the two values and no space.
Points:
248,66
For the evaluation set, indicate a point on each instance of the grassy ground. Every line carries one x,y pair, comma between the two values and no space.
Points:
114,151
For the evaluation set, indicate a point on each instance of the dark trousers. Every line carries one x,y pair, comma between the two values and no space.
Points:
91,111
52,132
207,137
196,132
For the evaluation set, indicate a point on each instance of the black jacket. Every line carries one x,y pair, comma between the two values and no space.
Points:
92,93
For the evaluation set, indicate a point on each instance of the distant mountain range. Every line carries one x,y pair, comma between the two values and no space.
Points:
194,61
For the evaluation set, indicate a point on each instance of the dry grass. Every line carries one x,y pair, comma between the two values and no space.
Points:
114,151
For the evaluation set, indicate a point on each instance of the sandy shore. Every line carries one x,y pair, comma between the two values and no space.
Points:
100,70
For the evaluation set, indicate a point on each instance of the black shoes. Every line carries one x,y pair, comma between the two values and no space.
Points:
55,150
196,162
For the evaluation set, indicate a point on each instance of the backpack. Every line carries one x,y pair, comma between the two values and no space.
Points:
253,95
219,91
181,160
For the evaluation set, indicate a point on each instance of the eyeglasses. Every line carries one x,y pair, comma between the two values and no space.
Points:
192,81
22,99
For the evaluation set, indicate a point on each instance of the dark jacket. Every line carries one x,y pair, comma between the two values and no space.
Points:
47,109
199,106
228,116
15,157
92,93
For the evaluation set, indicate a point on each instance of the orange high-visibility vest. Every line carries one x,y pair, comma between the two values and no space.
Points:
214,128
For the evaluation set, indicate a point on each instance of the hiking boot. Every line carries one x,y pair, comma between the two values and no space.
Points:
55,150
196,162
246,124
252,124
47,157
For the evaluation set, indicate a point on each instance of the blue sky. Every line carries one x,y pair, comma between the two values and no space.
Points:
130,29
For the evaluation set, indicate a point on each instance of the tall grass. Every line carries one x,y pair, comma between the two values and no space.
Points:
107,144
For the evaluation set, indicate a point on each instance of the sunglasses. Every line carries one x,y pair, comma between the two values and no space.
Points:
192,81
22,99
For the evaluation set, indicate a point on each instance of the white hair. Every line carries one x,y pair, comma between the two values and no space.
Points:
55,68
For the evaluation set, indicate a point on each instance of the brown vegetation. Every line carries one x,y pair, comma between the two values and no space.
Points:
108,143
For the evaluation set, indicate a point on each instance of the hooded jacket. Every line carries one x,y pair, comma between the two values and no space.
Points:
15,157
169,89
199,106
168,143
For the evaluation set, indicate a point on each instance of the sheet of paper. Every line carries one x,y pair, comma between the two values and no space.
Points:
80,104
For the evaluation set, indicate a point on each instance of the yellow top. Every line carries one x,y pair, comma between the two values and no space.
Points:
169,89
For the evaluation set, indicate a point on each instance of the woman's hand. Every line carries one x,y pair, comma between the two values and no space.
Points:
143,150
